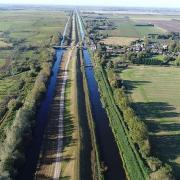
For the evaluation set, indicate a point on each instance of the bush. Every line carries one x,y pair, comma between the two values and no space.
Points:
11,150
14,104
164,173
154,163
137,129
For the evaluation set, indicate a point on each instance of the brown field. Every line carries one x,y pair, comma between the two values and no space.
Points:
118,41
171,25
3,44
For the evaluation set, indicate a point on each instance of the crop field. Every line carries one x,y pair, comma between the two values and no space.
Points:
125,24
146,16
168,25
127,28
156,99
31,25
119,41
2,62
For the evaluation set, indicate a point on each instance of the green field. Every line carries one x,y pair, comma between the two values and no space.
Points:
26,40
2,62
146,16
32,25
127,28
25,28
156,99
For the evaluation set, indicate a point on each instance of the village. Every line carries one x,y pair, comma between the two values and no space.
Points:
166,47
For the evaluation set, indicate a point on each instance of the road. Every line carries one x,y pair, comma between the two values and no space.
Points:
49,165
61,119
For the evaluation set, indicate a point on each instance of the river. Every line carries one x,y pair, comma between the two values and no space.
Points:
109,153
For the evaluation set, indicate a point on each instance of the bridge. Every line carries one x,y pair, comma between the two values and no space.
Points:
60,47
88,65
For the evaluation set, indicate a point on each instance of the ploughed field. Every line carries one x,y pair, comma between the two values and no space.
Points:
169,25
155,96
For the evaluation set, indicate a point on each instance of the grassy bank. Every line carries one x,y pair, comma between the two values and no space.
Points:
133,164
95,159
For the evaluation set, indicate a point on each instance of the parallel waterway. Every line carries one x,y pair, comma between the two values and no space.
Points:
32,154
108,149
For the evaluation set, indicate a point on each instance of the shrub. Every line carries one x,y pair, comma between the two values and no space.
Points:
13,105
154,163
164,173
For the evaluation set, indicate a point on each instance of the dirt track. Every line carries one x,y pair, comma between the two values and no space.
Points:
49,166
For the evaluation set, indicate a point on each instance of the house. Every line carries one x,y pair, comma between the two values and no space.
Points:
165,47
109,49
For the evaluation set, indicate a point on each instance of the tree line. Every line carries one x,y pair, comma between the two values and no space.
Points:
137,128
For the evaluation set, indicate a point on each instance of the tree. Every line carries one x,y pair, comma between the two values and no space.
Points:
110,65
154,163
164,173
177,61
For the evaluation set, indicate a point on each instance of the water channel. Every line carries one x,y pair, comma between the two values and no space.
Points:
108,149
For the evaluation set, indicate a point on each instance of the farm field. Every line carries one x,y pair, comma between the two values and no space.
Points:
125,24
169,25
119,41
2,62
155,96
146,16
127,28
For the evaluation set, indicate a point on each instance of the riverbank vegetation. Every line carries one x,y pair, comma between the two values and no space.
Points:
24,79
124,119
135,131
97,169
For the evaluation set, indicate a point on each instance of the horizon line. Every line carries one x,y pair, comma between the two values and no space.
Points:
105,6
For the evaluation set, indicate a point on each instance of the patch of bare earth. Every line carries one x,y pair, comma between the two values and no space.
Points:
71,152
118,41
171,26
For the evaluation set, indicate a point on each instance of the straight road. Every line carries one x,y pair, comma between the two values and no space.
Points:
49,165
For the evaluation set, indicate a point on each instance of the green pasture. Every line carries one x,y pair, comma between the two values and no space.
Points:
156,99
127,28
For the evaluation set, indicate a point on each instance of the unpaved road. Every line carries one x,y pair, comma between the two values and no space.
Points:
49,166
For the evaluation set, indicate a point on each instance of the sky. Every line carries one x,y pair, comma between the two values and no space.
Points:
122,3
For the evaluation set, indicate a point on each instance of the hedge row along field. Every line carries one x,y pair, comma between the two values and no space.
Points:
131,137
